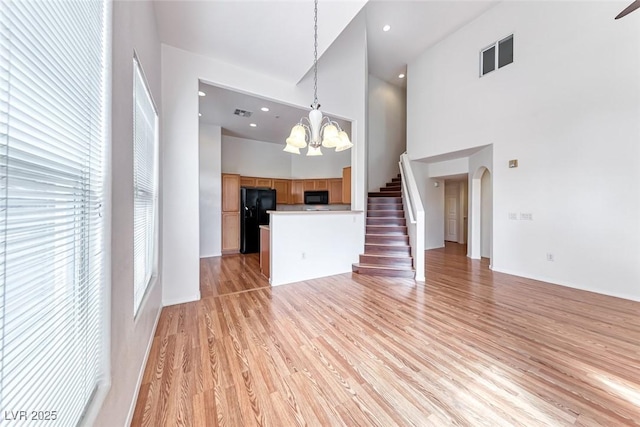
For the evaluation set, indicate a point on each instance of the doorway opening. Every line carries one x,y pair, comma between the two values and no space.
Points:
456,209
481,204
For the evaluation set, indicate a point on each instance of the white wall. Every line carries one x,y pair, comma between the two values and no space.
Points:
568,109
479,162
134,27
330,166
387,136
433,204
210,191
255,158
464,214
449,167
486,200
343,68
258,158
326,244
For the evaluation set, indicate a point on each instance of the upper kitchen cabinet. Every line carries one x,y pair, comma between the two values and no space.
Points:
321,184
297,192
335,190
247,181
230,193
282,191
264,182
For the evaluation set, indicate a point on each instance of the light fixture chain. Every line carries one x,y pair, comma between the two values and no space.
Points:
315,55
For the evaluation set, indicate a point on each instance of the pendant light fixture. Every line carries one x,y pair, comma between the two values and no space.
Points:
316,131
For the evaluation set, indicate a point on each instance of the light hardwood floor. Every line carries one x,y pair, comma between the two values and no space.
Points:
469,347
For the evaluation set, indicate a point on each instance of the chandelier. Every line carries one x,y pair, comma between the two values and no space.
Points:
316,131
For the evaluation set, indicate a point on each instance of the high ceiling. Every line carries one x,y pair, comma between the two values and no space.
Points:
273,36
219,104
415,26
276,37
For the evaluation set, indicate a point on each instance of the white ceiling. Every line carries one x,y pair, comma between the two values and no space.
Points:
415,26
219,104
276,37
273,36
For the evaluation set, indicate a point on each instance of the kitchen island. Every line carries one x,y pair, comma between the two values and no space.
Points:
310,244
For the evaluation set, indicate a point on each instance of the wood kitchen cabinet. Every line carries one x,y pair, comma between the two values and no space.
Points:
321,184
230,213
288,191
346,185
335,190
264,182
297,192
282,191
230,193
230,232
247,181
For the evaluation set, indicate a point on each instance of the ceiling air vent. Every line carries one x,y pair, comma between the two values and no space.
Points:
242,113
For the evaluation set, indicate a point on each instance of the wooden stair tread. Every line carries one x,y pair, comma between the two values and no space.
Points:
389,256
384,267
383,245
376,270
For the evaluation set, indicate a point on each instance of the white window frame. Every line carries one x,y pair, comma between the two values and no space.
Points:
150,273
497,55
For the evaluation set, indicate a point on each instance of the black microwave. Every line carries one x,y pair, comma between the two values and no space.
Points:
316,197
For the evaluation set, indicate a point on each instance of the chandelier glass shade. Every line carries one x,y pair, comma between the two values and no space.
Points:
316,130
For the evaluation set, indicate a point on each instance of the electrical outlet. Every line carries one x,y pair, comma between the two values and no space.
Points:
304,255
550,257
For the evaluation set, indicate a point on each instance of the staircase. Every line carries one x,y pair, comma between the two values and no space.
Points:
386,248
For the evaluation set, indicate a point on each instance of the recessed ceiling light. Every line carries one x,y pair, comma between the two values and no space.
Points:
265,109
401,76
386,28
253,125
201,93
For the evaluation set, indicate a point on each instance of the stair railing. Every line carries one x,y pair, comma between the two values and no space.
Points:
412,204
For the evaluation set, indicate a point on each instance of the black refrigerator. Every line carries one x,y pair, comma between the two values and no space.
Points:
254,204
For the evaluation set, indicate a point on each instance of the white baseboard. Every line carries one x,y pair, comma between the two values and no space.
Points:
213,255
565,284
132,408
166,303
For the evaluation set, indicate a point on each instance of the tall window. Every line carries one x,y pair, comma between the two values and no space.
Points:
145,181
52,139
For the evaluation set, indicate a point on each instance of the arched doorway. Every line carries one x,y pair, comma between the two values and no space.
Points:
481,224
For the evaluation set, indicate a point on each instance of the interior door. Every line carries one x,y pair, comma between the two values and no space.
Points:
451,233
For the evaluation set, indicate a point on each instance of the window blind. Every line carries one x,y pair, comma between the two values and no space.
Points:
52,109
145,181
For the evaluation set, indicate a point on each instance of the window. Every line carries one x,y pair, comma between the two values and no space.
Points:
52,143
145,181
489,61
505,49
